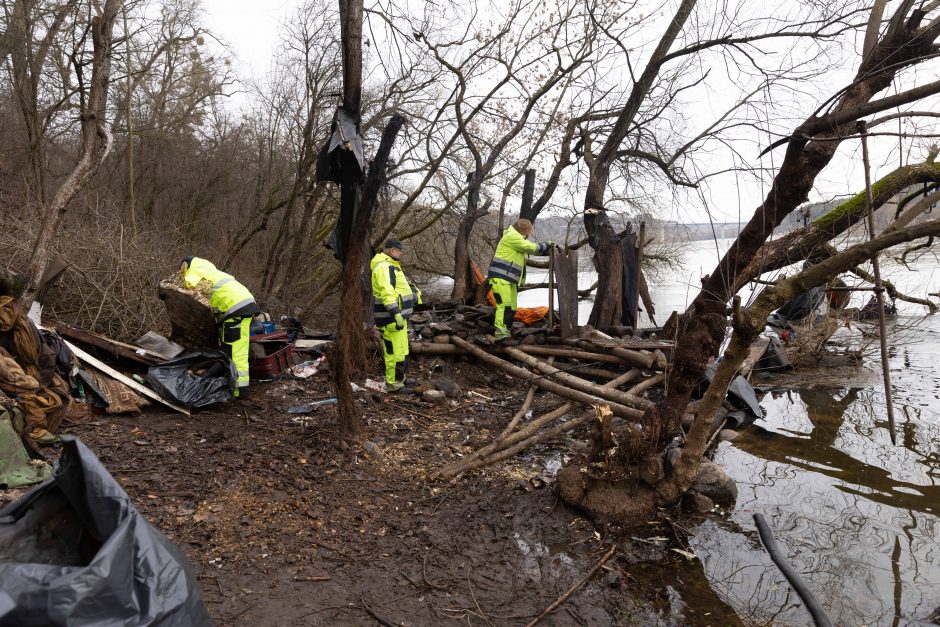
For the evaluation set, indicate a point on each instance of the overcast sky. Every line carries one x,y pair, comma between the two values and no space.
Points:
251,29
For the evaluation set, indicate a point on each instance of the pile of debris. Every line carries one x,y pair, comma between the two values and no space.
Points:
51,372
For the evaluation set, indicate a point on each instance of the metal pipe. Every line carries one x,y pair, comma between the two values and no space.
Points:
879,290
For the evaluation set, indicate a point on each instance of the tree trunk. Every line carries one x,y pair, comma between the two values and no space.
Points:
463,275
96,144
349,355
608,262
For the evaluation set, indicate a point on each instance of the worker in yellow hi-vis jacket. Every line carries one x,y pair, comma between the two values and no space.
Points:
393,303
233,306
507,271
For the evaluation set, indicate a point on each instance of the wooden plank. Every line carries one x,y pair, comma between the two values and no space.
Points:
566,282
118,350
111,372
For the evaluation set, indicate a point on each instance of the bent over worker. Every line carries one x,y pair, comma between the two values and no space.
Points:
507,271
233,306
393,303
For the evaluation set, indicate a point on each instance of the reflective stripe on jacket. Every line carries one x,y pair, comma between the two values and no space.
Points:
511,253
390,290
226,295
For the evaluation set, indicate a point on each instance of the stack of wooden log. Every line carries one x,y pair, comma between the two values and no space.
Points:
570,369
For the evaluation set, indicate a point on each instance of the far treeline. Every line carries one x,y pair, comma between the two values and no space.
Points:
128,141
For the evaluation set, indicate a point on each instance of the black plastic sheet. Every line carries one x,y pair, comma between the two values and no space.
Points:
75,551
196,379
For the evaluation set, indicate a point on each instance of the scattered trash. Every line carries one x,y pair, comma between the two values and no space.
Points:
375,386
105,564
308,368
195,380
309,407
156,343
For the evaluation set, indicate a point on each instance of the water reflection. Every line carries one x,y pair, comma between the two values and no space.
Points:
856,516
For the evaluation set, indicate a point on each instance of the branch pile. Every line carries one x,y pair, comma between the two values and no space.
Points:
629,370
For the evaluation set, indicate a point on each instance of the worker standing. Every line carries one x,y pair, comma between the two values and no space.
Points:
393,303
233,306
507,271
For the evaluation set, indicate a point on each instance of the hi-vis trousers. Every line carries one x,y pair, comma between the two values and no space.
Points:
395,352
234,340
505,294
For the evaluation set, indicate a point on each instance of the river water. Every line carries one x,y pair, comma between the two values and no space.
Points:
854,514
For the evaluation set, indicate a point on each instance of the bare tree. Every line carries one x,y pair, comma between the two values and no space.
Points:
905,40
96,141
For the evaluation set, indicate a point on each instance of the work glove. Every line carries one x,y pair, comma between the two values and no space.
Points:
418,295
399,322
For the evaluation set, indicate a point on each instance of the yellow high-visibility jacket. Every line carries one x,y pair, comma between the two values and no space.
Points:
226,295
511,253
391,292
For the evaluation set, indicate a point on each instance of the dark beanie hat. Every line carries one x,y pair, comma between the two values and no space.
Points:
393,243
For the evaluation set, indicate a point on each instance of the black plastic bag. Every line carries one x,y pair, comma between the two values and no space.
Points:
75,551
196,379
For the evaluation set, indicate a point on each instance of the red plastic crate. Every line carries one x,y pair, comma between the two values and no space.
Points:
279,357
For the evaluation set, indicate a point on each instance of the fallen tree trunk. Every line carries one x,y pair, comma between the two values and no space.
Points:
555,388
579,384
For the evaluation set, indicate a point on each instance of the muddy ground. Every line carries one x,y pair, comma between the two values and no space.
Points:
286,526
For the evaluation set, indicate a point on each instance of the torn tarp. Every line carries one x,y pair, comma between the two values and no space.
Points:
342,160
740,393
798,308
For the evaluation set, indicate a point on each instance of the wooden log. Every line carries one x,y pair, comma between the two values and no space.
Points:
642,386
498,441
517,447
579,384
632,357
590,371
568,353
758,348
556,388
427,348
